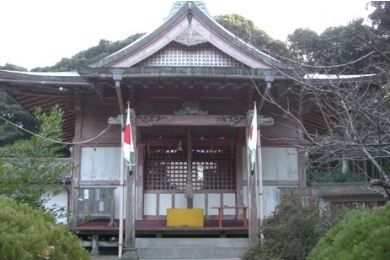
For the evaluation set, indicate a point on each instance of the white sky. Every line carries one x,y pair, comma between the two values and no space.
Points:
41,32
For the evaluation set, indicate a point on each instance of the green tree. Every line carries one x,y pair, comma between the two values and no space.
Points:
26,233
336,45
292,231
13,112
381,15
363,234
9,66
30,164
304,44
91,55
247,31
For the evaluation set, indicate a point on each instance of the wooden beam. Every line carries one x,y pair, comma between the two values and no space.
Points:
191,120
197,120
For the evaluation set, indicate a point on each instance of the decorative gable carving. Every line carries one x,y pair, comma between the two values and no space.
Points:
198,56
190,37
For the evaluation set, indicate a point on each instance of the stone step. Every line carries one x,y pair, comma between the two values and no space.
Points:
196,259
191,253
190,242
115,257
191,248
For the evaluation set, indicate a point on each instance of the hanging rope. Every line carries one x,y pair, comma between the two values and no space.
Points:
52,140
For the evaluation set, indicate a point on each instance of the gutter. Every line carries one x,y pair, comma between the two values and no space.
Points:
117,75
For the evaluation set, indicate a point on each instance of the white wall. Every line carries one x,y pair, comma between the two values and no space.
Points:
178,200
271,199
100,163
58,200
280,164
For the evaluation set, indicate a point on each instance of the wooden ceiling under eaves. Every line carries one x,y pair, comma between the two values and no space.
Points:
47,102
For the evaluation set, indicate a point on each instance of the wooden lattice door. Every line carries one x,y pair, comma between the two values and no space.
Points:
213,169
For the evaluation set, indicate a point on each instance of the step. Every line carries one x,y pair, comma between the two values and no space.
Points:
191,248
191,253
190,242
195,259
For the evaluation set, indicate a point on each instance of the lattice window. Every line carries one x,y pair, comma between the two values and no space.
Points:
195,56
212,168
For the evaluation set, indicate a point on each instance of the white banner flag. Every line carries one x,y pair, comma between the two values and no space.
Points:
128,144
252,137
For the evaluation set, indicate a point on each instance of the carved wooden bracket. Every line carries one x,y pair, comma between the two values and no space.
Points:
232,120
150,119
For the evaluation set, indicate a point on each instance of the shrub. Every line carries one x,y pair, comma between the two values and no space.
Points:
292,231
32,163
27,233
362,234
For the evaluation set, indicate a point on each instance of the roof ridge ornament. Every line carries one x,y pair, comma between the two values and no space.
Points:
179,4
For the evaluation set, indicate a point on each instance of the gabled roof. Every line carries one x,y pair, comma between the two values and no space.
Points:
190,18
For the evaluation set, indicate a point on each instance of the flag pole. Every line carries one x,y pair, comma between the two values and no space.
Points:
252,140
122,182
122,193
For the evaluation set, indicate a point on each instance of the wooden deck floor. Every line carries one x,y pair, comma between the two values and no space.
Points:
159,226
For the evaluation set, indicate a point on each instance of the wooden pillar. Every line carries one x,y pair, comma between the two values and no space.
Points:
239,173
76,157
259,167
190,191
139,213
130,209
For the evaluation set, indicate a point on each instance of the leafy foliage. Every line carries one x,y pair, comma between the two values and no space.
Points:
336,45
13,112
9,66
26,233
363,234
29,164
247,31
381,15
91,55
16,114
304,44
292,231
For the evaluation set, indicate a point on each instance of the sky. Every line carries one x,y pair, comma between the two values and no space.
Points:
41,32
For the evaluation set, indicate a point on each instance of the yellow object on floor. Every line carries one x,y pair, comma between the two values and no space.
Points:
191,218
